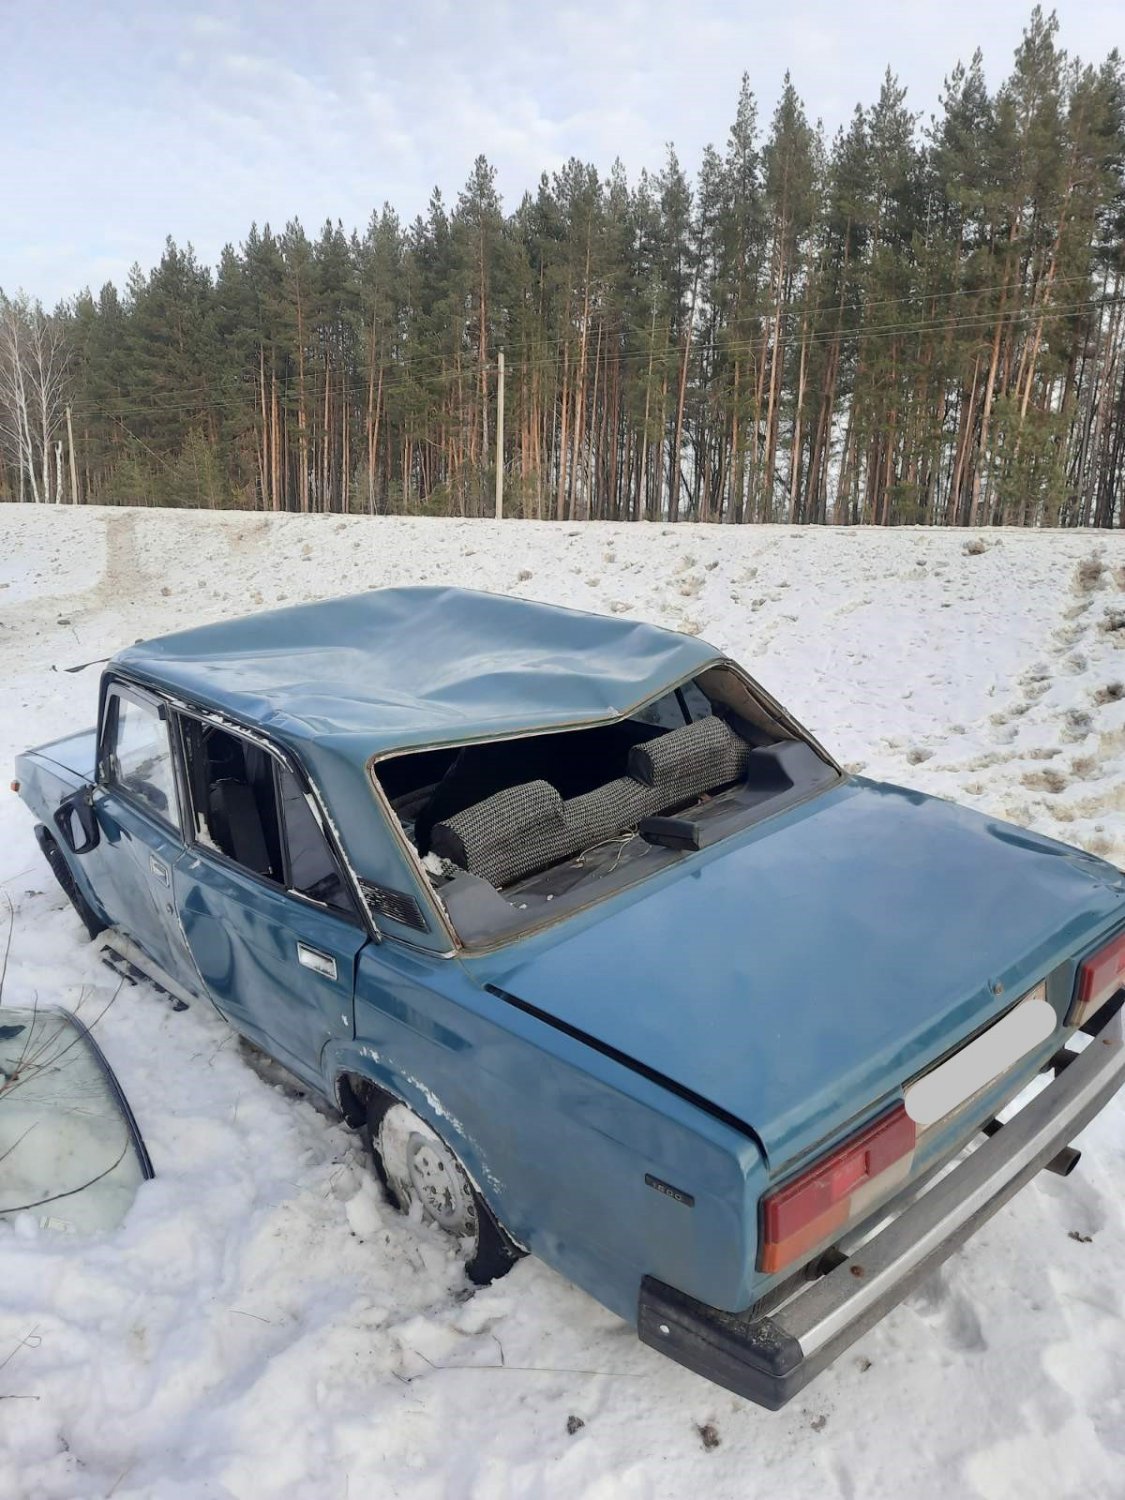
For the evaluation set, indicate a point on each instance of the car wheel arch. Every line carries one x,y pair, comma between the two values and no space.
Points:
89,912
363,1100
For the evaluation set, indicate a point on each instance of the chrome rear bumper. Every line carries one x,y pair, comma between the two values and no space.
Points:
769,1359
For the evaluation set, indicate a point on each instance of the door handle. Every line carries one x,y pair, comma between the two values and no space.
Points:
318,962
159,870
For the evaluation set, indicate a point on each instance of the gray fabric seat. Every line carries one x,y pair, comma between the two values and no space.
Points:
526,828
690,761
492,837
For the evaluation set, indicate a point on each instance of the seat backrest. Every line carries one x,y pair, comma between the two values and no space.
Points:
574,763
488,838
685,763
236,824
526,828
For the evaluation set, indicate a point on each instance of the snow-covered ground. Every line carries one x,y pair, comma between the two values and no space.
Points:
262,1325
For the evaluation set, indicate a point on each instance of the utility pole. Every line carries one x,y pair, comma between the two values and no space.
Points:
73,466
500,438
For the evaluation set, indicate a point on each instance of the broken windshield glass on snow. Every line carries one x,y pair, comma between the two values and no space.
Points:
70,1152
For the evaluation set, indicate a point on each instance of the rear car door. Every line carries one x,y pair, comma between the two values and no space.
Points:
266,909
137,805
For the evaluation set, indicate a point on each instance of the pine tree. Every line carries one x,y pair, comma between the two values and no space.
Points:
911,326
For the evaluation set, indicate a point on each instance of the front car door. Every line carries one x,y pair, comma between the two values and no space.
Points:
138,807
266,908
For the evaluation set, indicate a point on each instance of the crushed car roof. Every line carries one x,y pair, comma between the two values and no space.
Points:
398,668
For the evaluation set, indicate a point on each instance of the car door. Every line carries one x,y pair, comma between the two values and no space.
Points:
266,909
137,804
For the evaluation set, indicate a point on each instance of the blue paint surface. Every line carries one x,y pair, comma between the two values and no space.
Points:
793,974
713,1026
371,673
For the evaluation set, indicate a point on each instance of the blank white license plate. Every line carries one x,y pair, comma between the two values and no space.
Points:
982,1061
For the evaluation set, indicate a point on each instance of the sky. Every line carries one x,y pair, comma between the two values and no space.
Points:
125,122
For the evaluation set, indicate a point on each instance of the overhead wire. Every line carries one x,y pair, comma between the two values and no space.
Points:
815,312
405,380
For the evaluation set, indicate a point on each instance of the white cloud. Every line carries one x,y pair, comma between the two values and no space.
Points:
193,123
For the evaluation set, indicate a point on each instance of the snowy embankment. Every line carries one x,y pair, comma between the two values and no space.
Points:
262,1325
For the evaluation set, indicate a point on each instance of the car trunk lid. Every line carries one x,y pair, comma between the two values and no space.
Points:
793,976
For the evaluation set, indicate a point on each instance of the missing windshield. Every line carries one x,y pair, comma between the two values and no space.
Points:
511,831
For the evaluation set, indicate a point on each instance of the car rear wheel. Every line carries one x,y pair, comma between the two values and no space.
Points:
417,1168
61,871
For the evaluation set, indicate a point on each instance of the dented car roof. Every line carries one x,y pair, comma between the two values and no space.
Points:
398,668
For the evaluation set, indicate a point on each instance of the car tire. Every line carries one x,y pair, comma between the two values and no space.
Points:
62,873
416,1167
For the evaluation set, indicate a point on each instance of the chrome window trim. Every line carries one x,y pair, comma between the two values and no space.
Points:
117,688
414,859
363,918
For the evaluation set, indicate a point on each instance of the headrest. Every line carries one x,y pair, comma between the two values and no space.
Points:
525,828
694,759
474,837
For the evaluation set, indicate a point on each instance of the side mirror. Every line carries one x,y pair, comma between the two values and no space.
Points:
76,821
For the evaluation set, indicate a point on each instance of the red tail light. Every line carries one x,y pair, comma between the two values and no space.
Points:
811,1209
1099,978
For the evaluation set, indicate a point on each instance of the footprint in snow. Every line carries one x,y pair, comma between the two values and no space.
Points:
1088,575
1066,636
989,759
1077,724
1085,768
949,1313
1047,780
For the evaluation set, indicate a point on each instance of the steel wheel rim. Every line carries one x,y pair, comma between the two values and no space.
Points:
422,1169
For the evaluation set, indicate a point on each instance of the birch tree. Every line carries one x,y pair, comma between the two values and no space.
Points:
34,372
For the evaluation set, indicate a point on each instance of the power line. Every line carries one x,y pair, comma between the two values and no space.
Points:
793,338
420,362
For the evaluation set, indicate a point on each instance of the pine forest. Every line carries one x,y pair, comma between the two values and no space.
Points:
919,321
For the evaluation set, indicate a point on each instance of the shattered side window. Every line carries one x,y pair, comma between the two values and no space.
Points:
313,870
70,1152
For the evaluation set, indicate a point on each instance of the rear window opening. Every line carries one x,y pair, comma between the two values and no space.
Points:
512,832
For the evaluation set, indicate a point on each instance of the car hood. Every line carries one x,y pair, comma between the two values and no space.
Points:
77,752
794,975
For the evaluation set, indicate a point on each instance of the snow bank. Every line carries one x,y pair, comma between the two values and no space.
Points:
262,1325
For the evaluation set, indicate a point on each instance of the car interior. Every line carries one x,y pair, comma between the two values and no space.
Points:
254,811
506,826
234,797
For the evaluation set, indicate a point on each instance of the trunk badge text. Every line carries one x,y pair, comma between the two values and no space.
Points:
669,1191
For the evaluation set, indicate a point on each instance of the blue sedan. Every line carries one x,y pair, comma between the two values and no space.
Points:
606,956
